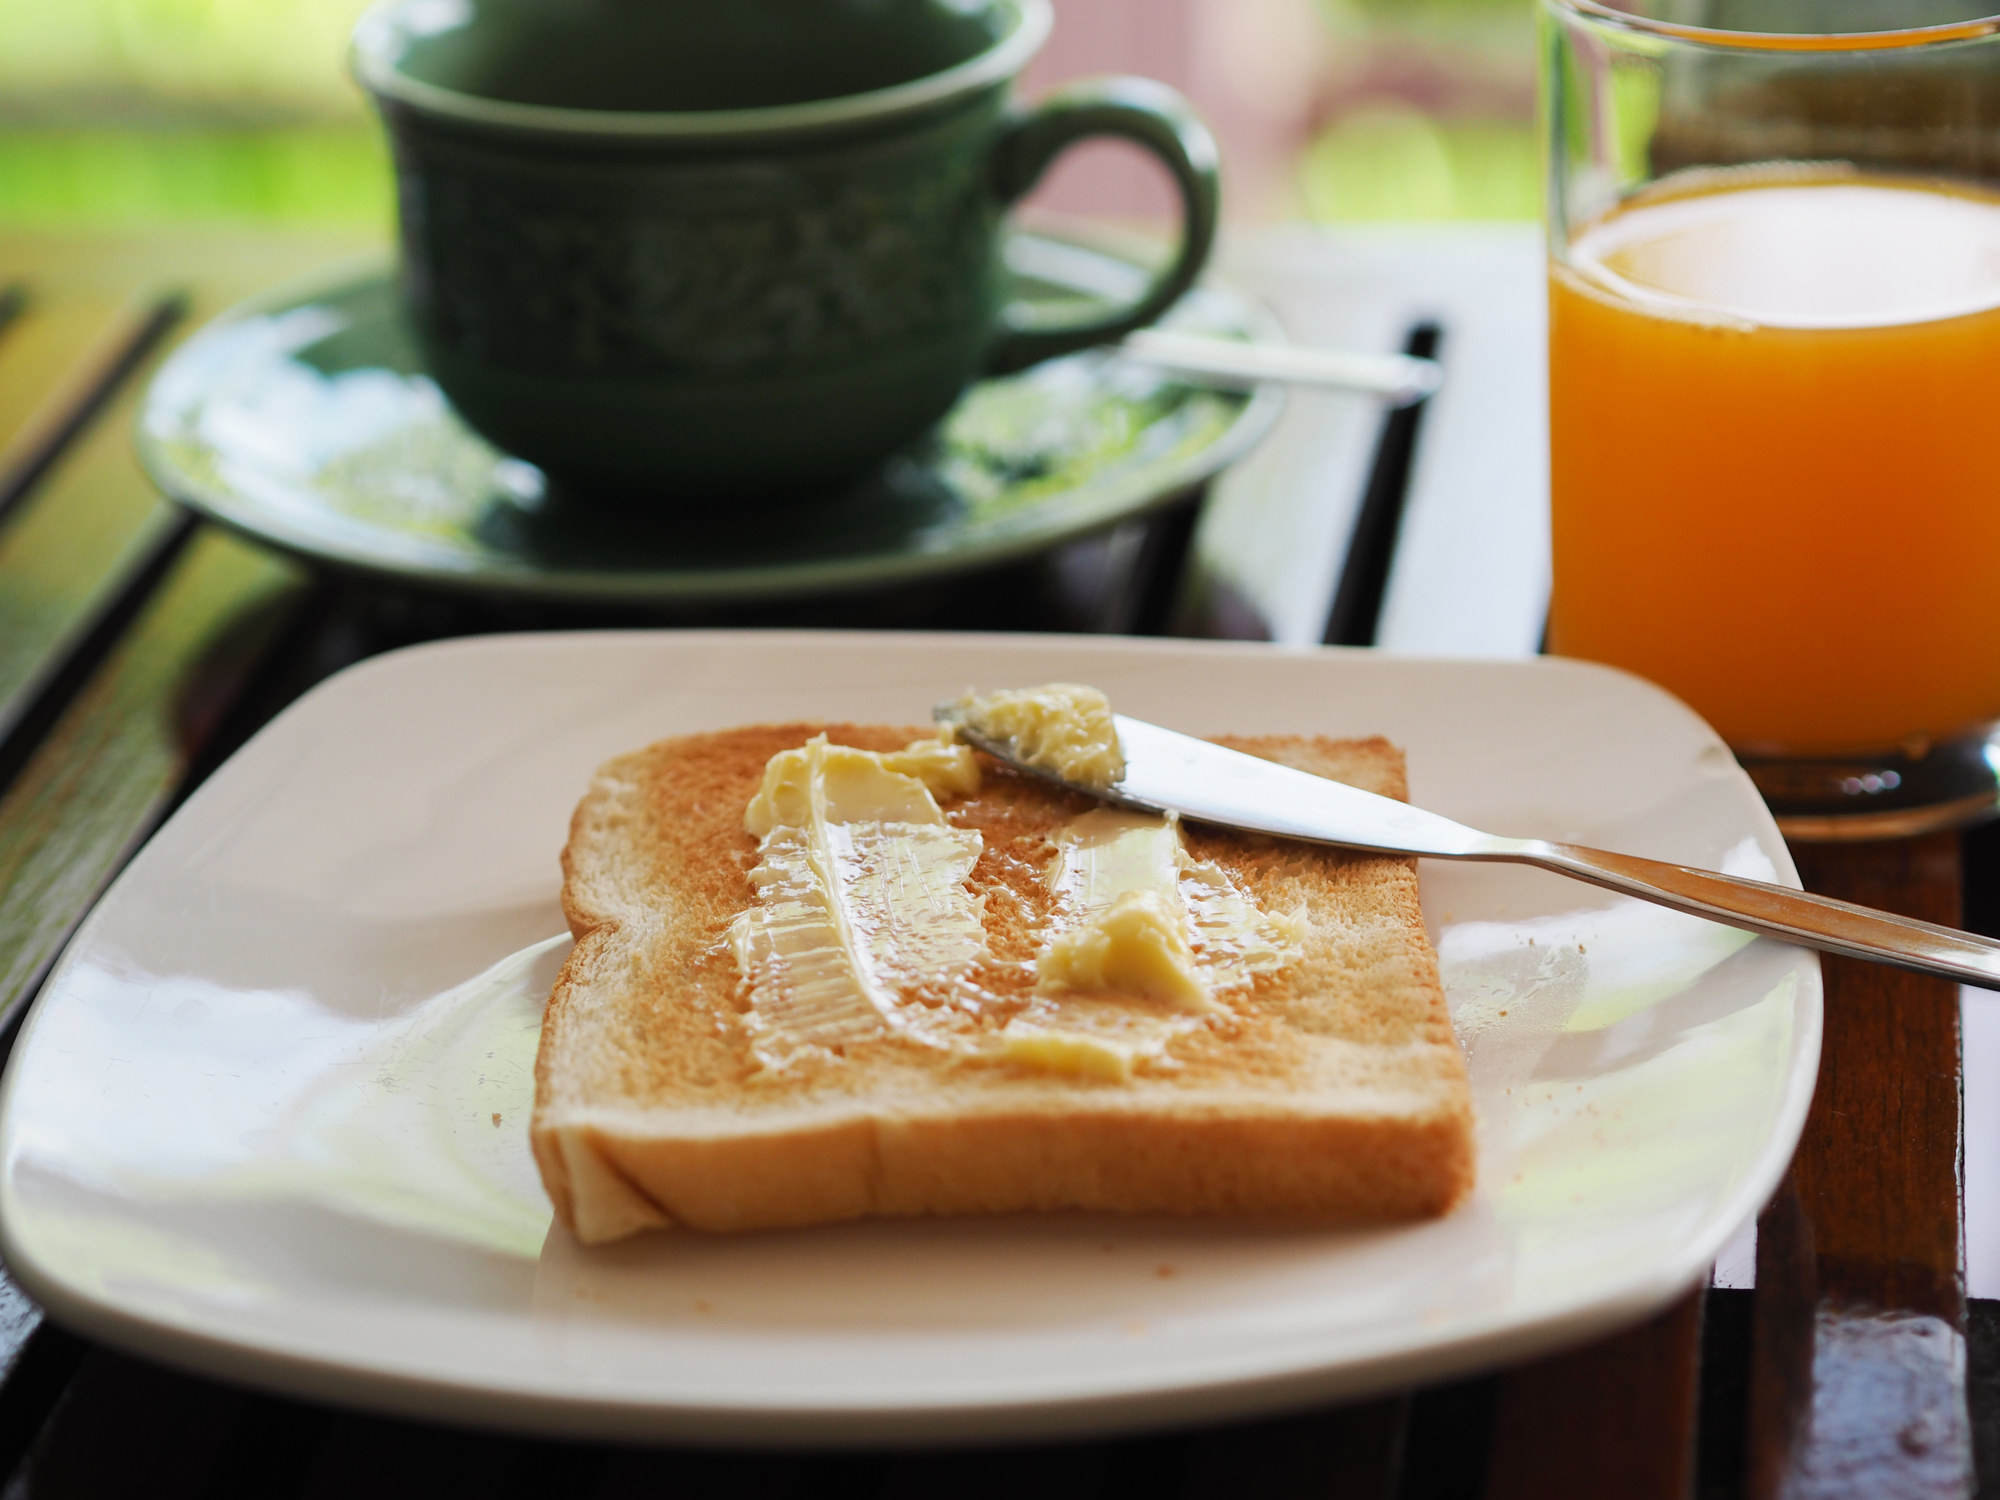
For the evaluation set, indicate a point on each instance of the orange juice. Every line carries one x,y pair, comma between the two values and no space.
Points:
1775,419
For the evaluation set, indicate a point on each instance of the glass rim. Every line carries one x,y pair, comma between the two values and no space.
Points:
1784,41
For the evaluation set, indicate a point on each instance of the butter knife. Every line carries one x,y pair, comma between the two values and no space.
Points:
1167,772
1401,379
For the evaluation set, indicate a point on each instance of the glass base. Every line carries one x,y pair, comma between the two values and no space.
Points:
1891,795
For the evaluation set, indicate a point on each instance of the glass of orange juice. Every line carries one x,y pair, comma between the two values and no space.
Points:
1774,309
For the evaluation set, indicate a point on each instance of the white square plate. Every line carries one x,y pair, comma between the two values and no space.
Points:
261,1124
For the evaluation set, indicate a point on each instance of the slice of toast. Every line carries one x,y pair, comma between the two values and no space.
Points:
1331,1089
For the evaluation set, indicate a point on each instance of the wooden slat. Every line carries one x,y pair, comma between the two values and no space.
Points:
1858,1379
214,264
1616,1417
73,550
44,343
80,526
99,780
58,365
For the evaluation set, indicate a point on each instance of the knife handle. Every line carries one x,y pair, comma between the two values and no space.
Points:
1781,912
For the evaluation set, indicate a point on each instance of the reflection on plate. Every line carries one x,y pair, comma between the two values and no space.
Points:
305,419
269,1118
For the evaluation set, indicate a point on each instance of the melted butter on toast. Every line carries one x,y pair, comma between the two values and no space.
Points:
864,903
1105,857
862,896
1143,938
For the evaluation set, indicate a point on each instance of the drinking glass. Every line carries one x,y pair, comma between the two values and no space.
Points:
1774,358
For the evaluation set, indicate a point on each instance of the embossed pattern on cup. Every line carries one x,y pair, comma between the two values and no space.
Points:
662,268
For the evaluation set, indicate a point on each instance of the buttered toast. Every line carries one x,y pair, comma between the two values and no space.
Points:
730,1047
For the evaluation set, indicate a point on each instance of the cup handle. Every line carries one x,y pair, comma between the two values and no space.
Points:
1151,115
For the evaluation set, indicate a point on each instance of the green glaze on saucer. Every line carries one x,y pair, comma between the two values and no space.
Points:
305,420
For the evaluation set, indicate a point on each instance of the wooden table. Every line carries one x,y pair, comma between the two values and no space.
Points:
137,648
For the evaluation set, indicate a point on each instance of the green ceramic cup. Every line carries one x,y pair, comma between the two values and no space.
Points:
701,247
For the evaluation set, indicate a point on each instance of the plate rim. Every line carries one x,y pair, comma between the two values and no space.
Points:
697,586
1203,1390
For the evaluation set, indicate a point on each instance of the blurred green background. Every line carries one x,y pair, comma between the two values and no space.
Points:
117,113
1426,112
128,112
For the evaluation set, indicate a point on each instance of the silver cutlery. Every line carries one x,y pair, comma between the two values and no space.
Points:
1401,379
1167,772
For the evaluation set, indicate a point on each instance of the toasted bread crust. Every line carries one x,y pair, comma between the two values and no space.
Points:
1333,1089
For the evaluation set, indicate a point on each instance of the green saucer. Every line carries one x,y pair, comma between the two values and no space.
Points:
304,419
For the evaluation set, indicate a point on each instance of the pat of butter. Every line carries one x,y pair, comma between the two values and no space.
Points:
1067,1052
1138,945
1214,937
861,786
1062,728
